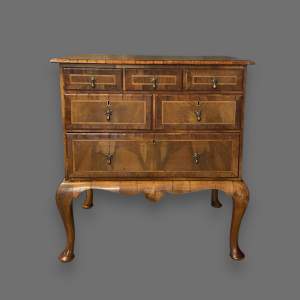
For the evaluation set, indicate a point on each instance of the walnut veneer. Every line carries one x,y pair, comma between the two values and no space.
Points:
152,125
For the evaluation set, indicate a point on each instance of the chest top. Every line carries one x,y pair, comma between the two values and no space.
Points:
155,60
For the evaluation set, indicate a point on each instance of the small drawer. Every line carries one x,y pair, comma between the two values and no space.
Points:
198,111
92,79
108,111
214,79
153,79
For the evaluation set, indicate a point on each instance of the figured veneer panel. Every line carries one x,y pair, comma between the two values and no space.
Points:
198,111
214,79
108,111
197,155
159,155
89,156
214,157
92,79
153,79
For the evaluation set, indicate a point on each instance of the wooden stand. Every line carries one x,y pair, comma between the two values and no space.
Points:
153,190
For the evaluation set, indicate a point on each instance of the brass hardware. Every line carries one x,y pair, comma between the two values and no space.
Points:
108,111
154,82
214,83
196,157
93,82
154,141
198,112
109,158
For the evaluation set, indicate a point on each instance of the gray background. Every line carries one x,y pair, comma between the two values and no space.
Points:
128,248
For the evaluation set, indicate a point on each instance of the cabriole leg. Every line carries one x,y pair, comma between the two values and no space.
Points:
64,199
215,199
88,201
240,199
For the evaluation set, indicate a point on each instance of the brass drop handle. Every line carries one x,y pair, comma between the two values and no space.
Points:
214,83
109,158
93,82
154,82
198,112
108,112
196,158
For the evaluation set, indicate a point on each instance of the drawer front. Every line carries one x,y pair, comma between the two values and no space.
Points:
198,112
104,155
109,111
214,79
153,79
92,79
208,155
149,155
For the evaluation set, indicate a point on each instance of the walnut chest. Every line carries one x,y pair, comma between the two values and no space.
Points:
139,124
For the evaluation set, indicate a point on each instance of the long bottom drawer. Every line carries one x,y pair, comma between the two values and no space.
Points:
152,155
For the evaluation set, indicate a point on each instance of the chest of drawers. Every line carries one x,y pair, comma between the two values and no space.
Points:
152,125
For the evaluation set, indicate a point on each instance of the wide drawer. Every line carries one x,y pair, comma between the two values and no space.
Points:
214,79
198,111
152,155
153,79
108,111
92,79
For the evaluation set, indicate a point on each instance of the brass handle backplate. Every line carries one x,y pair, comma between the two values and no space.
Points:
196,158
109,158
108,112
214,83
198,112
93,82
154,82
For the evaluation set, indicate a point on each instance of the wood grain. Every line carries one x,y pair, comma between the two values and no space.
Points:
153,156
89,111
188,112
82,78
226,79
153,79
151,60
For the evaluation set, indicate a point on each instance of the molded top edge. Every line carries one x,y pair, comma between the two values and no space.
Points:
145,59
